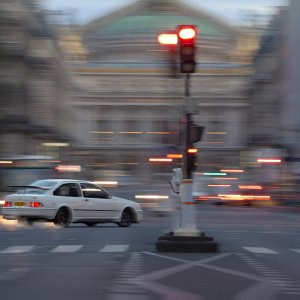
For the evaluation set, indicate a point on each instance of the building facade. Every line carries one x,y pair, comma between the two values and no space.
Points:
132,103
34,84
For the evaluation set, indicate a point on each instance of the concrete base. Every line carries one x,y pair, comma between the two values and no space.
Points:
186,244
187,231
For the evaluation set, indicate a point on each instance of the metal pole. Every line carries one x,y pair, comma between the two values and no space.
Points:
188,118
187,213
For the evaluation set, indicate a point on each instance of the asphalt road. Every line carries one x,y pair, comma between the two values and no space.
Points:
258,258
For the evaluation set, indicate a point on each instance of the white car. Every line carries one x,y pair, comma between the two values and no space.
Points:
70,201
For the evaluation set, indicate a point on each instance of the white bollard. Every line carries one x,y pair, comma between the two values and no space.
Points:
187,225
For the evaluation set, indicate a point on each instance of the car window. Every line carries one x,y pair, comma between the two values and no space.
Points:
67,189
93,191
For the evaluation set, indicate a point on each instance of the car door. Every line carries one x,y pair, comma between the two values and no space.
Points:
98,203
69,194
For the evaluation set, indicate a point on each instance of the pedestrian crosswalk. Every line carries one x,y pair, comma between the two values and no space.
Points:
17,249
260,250
263,250
117,248
63,249
66,248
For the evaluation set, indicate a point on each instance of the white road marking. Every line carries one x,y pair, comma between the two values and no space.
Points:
17,249
296,250
66,248
123,288
114,248
260,250
280,281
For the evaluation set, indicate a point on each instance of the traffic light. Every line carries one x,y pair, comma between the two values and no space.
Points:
191,160
186,37
169,41
168,38
195,133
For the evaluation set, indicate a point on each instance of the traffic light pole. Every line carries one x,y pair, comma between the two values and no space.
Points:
187,226
188,120
186,237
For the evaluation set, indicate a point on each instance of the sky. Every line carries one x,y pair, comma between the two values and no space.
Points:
232,11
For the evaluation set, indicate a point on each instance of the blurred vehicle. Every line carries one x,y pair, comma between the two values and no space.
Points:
246,194
206,189
65,201
229,190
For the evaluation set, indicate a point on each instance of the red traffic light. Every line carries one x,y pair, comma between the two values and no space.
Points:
187,48
187,33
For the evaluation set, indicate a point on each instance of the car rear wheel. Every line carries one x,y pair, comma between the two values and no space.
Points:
126,218
63,217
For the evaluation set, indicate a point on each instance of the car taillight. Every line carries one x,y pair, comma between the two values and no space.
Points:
36,204
7,204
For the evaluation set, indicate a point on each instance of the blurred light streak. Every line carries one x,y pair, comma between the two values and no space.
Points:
2,202
234,197
214,174
269,160
216,132
134,132
160,159
56,144
7,162
130,132
151,197
203,198
174,155
106,183
65,168
232,171
219,185
250,187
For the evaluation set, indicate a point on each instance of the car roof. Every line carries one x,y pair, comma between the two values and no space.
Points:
64,180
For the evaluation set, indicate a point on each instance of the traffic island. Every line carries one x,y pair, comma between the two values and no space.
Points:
186,244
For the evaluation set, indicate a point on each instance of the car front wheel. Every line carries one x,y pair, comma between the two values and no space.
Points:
63,217
126,218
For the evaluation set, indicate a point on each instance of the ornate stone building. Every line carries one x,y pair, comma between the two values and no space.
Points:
131,108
